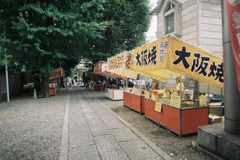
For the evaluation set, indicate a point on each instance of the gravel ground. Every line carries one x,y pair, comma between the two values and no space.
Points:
32,129
177,148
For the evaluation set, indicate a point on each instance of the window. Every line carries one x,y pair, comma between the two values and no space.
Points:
170,23
170,6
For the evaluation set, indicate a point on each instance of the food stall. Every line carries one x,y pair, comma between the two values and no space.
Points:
120,65
116,65
98,70
54,77
101,68
171,56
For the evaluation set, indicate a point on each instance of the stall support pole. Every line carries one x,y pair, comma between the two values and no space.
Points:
208,93
221,95
140,82
145,93
231,93
180,109
197,90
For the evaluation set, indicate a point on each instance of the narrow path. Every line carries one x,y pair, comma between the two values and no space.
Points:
96,133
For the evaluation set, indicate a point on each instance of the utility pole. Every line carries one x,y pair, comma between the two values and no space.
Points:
231,93
6,68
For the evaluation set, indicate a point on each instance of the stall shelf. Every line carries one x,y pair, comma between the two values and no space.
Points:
171,55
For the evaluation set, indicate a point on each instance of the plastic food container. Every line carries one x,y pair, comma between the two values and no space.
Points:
216,108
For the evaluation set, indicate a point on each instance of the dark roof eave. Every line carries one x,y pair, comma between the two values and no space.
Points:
152,12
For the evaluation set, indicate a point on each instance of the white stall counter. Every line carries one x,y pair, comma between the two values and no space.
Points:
114,94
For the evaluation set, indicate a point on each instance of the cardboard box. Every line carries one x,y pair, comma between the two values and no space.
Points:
213,119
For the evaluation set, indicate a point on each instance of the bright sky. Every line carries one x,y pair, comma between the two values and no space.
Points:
153,25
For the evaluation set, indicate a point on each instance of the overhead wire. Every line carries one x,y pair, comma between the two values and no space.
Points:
112,18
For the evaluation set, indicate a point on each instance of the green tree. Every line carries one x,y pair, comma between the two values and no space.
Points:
47,34
125,31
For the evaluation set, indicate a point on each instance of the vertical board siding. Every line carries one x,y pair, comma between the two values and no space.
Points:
15,84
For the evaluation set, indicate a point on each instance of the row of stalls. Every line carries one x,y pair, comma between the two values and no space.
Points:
159,60
111,91
54,80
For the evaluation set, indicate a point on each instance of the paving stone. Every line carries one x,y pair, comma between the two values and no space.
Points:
114,124
99,130
103,112
155,158
78,128
88,110
95,122
77,120
86,152
81,139
90,115
107,118
104,139
116,155
108,146
123,134
137,149
76,113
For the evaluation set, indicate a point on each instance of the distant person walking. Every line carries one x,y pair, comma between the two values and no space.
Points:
71,82
65,82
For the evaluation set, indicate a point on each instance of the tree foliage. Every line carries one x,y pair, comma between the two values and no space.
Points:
125,30
47,34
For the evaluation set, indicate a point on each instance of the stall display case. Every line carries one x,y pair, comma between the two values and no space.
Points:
182,121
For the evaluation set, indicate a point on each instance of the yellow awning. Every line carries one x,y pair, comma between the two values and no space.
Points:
119,64
172,55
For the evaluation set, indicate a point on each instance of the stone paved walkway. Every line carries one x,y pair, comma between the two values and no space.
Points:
71,125
96,133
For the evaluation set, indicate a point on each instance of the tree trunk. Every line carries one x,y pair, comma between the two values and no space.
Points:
44,90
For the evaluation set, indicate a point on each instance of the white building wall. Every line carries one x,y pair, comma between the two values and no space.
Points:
210,34
202,26
190,21
211,26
